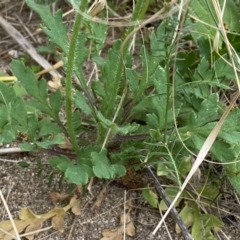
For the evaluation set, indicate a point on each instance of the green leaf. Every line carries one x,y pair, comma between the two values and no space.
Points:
19,112
127,128
207,112
98,34
184,164
42,107
76,119
55,101
150,197
81,51
7,136
49,49
50,129
98,88
78,174
54,28
46,143
230,131
212,222
102,167
158,42
7,93
187,217
25,146
171,193
4,116
185,61
43,88
197,229
61,162
204,11
27,78
210,191
45,2
32,126
133,79
23,164
80,102
111,84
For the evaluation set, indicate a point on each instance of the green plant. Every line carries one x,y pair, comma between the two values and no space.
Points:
160,115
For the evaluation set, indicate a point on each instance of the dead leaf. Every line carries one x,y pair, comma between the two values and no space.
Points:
59,197
58,220
37,225
76,208
130,228
8,228
66,145
135,179
31,222
55,83
99,199
115,234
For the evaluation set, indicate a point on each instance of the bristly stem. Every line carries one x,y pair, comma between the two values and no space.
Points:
70,66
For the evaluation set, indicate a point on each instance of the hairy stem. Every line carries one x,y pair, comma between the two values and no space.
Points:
70,66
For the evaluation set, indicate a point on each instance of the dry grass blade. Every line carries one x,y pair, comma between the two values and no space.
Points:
11,220
19,38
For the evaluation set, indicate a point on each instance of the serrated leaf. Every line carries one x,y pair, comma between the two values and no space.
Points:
204,11
50,129
207,112
82,52
104,121
158,47
152,120
230,131
41,107
98,88
19,112
133,80
102,167
150,197
4,116
111,83
32,126
53,140
27,78
7,136
76,119
55,100
7,93
43,88
98,34
80,102
185,61
54,28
